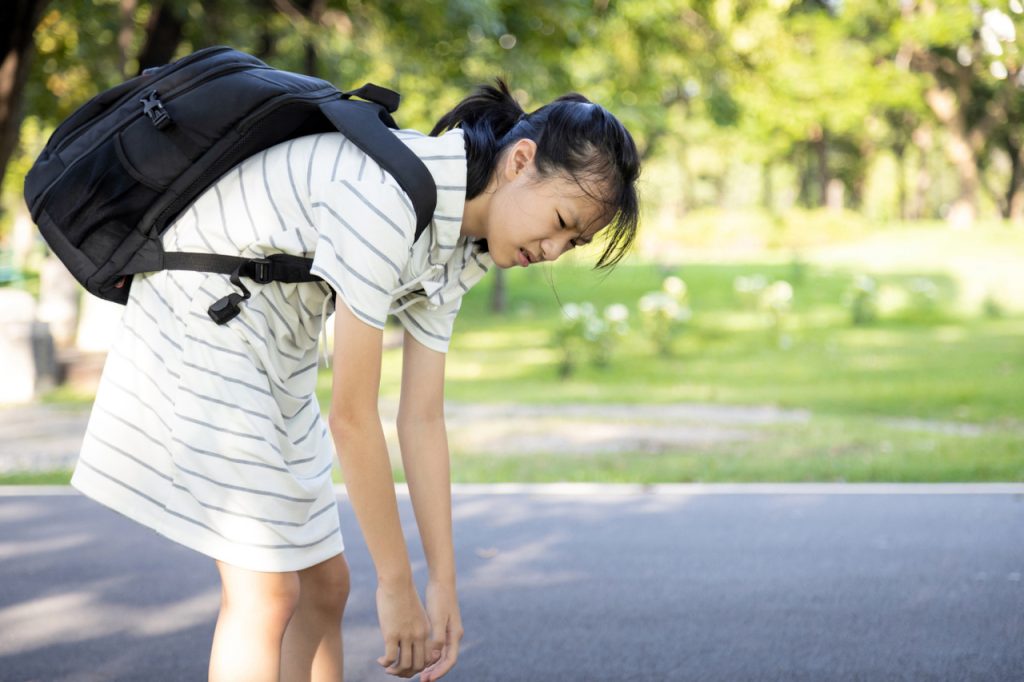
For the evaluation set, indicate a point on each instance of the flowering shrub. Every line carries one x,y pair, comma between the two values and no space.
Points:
991,307
919,299
862,300
664,313
924,297
748,290
583,331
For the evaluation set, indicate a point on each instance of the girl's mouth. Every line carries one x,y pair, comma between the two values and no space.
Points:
524,260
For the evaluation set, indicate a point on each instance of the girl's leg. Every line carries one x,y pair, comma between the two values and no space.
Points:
255,609
312,647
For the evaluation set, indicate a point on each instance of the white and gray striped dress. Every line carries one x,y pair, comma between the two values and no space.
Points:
212,435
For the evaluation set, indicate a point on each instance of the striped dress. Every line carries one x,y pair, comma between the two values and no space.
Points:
211,435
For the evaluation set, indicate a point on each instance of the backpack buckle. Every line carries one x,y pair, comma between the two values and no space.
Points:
260,272
154,109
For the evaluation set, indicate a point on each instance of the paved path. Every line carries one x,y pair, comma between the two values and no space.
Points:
45,437
577,583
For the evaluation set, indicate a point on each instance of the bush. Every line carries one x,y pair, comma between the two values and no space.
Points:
665,313
584,332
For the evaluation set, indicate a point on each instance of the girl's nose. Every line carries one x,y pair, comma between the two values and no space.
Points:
551,249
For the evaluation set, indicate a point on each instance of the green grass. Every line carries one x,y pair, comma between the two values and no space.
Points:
954,365
945,367
58,477
939,366
823,451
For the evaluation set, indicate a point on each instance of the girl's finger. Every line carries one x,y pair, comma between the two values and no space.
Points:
419,655
405,664
444,664
390,653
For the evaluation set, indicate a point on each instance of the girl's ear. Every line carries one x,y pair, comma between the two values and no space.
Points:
519,158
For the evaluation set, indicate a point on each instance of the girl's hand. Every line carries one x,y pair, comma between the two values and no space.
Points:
446,630
404,625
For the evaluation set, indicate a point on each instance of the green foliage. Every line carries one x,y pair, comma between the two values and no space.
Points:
741,80
583,332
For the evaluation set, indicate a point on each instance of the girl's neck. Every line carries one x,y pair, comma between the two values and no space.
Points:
474,216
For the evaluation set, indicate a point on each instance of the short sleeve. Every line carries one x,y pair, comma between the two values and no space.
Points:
365,232
431,325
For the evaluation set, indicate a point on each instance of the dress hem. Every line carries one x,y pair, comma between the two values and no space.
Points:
95,488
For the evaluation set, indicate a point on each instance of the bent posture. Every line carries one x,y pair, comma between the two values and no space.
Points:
212,434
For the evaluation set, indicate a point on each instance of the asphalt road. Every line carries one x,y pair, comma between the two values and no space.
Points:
696,583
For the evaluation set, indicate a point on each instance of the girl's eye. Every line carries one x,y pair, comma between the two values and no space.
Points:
561,222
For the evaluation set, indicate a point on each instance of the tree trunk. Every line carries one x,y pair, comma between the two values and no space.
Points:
314,11
1015,192
922,139
125,34
163,35
950,113
767,188
18,19
900,150
804,166
820,144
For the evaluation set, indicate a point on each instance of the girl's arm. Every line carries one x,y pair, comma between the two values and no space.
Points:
362,450
424,443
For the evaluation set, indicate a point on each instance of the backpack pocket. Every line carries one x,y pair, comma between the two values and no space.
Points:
100,192
151,156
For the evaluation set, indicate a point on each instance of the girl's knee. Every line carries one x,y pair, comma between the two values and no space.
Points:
268,597
325,587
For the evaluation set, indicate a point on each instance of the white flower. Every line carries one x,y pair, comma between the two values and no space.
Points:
571,311
864,283
998,70
587,309
749,284
781,291
616,312
674,286
1016,7
648,303
593,329
924,287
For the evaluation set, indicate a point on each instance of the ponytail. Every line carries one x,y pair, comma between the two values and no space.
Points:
575,138
486,118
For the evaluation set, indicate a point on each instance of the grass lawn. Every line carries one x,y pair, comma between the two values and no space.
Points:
948,368
940,366
951,366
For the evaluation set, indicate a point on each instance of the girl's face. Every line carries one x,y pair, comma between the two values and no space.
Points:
529,219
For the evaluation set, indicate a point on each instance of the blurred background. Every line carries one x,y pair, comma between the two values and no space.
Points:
829,281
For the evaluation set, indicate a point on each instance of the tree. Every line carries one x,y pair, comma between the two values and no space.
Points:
19,19
973,62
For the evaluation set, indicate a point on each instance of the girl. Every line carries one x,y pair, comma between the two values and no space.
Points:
212,436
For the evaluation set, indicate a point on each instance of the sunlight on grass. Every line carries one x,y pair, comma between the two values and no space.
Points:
503,339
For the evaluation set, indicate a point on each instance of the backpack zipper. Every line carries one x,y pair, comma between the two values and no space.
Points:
182,89
73,134
243,134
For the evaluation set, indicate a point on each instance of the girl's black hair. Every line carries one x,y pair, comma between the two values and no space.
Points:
574,136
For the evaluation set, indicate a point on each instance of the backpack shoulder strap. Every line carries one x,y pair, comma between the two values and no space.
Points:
366,126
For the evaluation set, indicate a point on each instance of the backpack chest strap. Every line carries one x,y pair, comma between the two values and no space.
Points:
280,267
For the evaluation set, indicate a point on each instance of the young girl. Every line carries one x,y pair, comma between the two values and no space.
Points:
212,435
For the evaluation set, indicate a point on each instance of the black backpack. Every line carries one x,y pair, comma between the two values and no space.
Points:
122,167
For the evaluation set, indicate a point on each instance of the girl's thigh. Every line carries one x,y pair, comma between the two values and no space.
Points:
326,584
